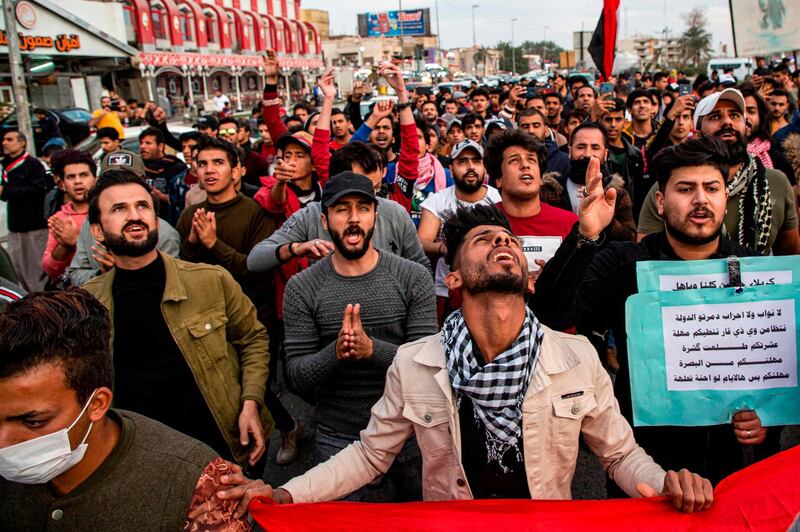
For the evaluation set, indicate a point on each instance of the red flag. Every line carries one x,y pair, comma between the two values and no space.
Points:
763,496
604,39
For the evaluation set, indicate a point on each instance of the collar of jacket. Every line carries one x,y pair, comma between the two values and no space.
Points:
630,149
174,289
554,357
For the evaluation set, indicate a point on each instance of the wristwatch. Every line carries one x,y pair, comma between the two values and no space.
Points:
586,242
401,106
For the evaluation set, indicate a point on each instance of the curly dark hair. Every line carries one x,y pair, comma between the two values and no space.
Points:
456,224
508,138
68,156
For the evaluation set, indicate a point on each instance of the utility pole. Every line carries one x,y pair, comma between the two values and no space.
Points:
400,27
513,50
544,40
438,34
474,42
18,76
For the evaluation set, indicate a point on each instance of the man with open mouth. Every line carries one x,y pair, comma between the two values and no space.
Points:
345,317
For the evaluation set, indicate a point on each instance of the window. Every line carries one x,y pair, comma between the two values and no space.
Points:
187,24
130,23
232,32
158,14
211,27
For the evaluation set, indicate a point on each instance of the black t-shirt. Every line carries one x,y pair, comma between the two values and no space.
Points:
486,478
151,376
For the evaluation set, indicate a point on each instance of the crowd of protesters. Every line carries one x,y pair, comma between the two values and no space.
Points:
443,279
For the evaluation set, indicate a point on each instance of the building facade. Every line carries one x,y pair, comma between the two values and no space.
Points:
175,52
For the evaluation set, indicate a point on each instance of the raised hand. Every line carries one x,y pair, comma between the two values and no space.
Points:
382,109
285,172
393,75
516,94
682,104
596,209
159,115
601,106
272,69
326,84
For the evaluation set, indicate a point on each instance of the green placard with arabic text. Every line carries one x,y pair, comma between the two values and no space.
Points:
698,356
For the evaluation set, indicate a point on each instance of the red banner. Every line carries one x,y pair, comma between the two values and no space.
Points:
765,496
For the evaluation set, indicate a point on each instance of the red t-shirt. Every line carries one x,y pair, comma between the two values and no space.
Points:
551,221
542,234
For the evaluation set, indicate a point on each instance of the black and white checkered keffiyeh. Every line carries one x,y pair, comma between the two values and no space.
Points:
498,388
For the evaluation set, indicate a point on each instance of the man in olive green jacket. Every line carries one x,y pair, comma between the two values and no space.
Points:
188,349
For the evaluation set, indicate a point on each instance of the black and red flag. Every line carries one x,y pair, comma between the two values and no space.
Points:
604,39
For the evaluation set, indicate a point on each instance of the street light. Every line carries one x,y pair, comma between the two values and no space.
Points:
544,38
474,42
513,50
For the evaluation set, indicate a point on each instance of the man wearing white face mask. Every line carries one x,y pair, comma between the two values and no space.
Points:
68,460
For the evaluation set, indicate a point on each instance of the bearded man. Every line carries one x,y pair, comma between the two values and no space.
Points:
187,346
340,340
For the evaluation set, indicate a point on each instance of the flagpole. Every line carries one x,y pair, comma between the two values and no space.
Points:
733,29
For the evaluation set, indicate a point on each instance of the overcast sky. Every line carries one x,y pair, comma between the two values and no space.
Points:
562,17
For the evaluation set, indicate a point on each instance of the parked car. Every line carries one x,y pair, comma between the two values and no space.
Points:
131,140
73,124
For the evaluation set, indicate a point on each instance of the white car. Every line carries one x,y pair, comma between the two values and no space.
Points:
131,140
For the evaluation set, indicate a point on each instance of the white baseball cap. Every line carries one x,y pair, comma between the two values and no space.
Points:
707,104
466,144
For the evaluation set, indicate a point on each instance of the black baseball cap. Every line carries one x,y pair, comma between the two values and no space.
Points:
204,122
346,183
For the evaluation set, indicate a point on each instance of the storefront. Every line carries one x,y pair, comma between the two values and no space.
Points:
67,58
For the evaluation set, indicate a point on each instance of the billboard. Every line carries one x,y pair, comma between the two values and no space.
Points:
766,26
389,23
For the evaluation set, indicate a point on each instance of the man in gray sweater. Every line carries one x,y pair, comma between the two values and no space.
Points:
346,315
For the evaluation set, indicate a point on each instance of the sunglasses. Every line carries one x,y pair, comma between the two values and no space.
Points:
227,132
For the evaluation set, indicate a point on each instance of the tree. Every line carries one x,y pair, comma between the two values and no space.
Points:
481,56
696,39
511,57
546,49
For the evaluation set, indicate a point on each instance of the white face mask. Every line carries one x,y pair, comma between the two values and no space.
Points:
41,459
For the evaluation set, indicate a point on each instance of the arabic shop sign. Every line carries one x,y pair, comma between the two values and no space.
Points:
28,43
